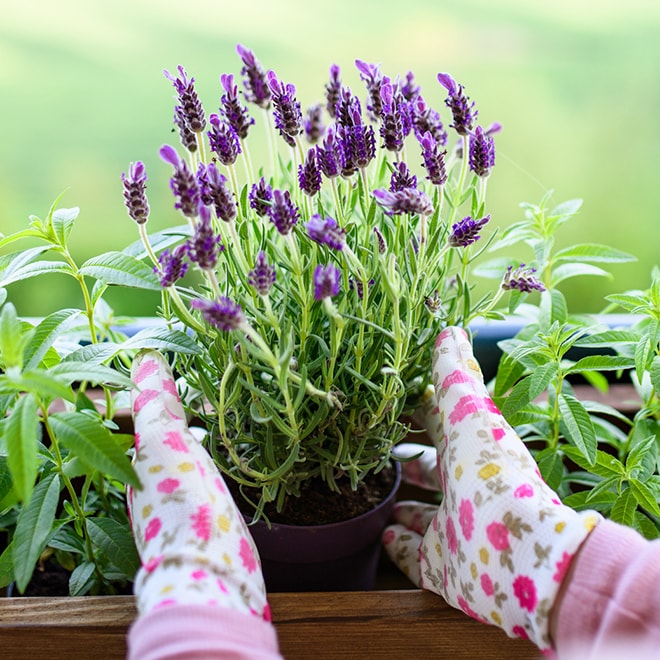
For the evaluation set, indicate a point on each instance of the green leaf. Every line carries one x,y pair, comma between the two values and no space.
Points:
608,338
82,579
34,269
33,527
93,353
639,452
541,378
518,398
7,566
122,269
45,334
93,443
623,510
70,372
594,253
579,427
629,301
163,339
6,485
654,372
551,466
116,543
605,465
567,271
62,222
37,381
601,363
644,496
646,527
9,263
22,431
12,337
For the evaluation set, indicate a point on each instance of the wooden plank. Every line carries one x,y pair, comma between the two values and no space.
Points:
397,624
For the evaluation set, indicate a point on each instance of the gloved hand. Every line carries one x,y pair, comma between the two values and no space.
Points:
192,540
501,541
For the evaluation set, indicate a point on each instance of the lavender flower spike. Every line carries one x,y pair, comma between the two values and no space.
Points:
254,78
522,279
261,194
183,183
402,177
172,265
215,192
283,213
333,90
236,114
434,159
135,196
463,112
223,140
222,313
309,174
191,106
287,113
262,276
408,200
466,231
482,152
326,231
326,281
205,245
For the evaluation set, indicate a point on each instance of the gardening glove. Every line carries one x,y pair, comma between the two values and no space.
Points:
501,541
192,540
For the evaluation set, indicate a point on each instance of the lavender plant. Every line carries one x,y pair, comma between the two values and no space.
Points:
315,284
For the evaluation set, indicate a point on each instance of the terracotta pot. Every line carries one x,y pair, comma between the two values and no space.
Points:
340,556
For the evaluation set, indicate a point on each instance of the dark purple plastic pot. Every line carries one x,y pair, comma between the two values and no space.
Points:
340,556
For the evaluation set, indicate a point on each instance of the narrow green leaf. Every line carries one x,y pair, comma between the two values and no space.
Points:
644,496
12,337
623,510
541,378
7,566
82,579
162,339
37,381
629,301
605,466
33,528
93,443
608,338
6,484
518,398
639,451
93,353
116,543
646,527
654,372
22,431
567,271
35,269
551,467
62,221
9,263
70,372
642,355
579,427
601,363
593,253
122,269
45,334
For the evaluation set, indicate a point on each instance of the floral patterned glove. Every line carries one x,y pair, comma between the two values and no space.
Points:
192,540
501,542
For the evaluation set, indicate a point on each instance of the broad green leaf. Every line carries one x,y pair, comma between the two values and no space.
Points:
567,271
12,337
34,269
82,579
7,566
62,223
642,355
605,466
45,334
93,354
654,372
37,381
629,301
24,233
646,527
593,253
639,451
16,260
579,427
566,209
5,475
70,372
601,363
623,510
116,543
122,269
93,443
551,466
33,528
67,540
541,378
22,433
608,338
518,398
644,496
162,339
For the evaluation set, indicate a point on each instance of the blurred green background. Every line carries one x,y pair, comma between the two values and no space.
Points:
575,83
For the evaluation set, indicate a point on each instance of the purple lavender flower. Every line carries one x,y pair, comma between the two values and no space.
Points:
426,119
522,279
329,156
347,104
313,124
309,174
402,177
135,197
434,159
482,152
205,245
254,78
409,89
172,265
286,109
357,142
236,114
216,192
187,137
433,303
333,90
222,313
283,213
183,183
326,281
408,200
392,122
261,194
374,80
466,231
462,111
382,244
223,140
262,276
355,284
191,106
326,231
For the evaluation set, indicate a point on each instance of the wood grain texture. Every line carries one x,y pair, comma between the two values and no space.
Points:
401,624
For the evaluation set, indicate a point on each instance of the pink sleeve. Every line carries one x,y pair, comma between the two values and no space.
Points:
613,599
187,632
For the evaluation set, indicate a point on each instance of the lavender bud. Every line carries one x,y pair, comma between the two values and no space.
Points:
329,156
402,177
236,115
283,213
313,124
221,313
172,265
434,159
262,276
205,245
382,245
309,174
333,90
392,120
408,200
191,106
183,183
370,74
187,137
326,281
326,231
216,192
409,89
433,303
261,194
522,279
482,152
463,113
254,78
466,231
427,120
223,140
135,197
286,109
